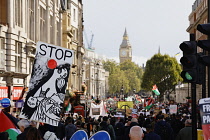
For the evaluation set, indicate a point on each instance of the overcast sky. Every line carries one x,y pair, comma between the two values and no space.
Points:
150,24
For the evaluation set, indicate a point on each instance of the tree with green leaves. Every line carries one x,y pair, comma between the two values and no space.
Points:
133,73
162,70
118,80
126,75
111,66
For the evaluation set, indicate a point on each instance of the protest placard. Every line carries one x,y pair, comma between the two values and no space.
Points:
48,83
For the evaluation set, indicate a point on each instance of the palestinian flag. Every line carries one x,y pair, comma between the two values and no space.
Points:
68,108
8,126
155,90
149,103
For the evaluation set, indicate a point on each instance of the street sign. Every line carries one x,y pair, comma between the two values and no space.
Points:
100,135
19,103
79,135
5,102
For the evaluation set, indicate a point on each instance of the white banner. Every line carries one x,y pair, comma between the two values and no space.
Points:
173,109
98,107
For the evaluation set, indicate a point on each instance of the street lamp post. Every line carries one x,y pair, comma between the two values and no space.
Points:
97,82
122,92
134,91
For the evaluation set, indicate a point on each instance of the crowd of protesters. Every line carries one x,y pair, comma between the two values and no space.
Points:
155,126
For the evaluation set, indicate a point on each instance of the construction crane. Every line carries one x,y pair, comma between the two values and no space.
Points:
91,41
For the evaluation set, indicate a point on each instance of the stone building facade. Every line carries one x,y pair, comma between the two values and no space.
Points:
25,22
199,15
94,75
72,38
22,24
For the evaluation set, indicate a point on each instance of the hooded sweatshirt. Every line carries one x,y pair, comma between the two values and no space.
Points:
70,129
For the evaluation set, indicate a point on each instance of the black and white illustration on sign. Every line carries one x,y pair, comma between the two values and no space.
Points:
48,83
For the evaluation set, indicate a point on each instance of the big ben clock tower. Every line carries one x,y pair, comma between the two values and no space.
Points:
125,51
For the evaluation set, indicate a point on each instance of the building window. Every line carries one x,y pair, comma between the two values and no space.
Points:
18,48
74,35
44,1
69,21
58,36
31,65
74,14
2,54
73,32
51,30
43,36
68,4
18,13
31,19
69,45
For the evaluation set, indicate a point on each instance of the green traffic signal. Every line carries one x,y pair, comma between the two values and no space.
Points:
189,61
188,76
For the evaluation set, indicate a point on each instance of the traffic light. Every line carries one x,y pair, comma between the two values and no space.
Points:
189,61
204,28
204,44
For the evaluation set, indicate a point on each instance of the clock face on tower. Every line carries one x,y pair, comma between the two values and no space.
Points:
123,53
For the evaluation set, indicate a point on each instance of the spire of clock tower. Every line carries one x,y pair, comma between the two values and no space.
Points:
125,43
125,36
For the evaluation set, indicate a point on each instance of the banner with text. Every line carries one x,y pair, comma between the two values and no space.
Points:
3,92
16,93
47,86
97,110
125,104
204,105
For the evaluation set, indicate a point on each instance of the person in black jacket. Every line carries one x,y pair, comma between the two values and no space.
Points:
70,128
186,132
127,130
105,125
163,129
150,134
133,122
60,130
4,136
176,124
119,129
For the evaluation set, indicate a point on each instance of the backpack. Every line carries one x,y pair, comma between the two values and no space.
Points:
164,132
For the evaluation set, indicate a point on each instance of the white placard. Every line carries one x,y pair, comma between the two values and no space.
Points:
48,83
173,109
